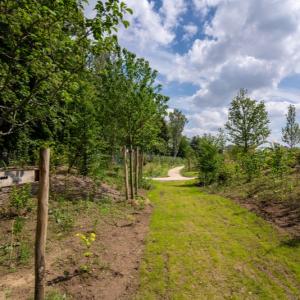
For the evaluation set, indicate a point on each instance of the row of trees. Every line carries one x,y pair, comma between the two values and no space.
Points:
248,122
235,150
65,82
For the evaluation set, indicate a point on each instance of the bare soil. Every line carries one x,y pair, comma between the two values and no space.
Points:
116,254
284,214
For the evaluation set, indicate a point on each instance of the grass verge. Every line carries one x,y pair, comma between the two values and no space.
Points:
204,246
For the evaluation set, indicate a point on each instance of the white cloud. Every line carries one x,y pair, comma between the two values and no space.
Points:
171,11
190,30
249,43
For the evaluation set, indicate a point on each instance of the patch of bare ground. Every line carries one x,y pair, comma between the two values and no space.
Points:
120,231
284,214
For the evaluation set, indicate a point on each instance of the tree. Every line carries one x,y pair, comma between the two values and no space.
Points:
209,158
291,132
44,45
248,121
177,121
133,106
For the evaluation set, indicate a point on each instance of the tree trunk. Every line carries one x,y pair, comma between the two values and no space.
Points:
41,227
131,172
126,173
141,165
136,171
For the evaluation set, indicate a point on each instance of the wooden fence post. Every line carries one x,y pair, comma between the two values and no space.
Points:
136,171
41,227
126,173
131,172
141,165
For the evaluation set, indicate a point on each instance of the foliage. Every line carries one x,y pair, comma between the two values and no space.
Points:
19,198
24,253
87,241
291,132
63,219
158,166
18,225
44,47
177,121
146,184
209,159
55,295
278,161
247,124
251,163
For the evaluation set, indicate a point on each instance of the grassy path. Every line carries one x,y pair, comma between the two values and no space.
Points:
206,247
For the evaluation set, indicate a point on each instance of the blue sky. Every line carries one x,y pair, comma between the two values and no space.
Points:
205,50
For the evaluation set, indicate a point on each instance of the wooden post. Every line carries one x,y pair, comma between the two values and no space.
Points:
126,173
136,171
131,171
41,227
141,165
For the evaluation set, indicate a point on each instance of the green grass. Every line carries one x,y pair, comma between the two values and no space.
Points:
204,246
191,173
158,166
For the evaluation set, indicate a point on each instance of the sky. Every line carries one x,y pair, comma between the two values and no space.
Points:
206,50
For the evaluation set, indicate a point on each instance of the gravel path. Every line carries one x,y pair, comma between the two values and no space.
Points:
174,175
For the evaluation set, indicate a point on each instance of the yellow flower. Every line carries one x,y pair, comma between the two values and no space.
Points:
92,236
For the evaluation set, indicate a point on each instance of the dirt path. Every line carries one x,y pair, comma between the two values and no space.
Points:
174,175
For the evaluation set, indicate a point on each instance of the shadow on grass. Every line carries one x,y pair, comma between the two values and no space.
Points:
291,243
187,185
288,243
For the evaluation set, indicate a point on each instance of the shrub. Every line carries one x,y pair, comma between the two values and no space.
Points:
87,240
146,184
279,161
251,163
18,225
63,219
19,199
24,253
210,160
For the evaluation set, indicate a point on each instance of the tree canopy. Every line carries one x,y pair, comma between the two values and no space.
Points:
248,121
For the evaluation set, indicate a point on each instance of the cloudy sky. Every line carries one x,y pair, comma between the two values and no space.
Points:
205,50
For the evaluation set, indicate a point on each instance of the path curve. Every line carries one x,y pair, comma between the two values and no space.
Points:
174,175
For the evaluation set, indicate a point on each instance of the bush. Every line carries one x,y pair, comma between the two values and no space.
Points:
24,253
63,219
279,161
146,184
18,225
19,199
210,160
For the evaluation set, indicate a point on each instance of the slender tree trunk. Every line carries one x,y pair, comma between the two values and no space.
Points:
141,165
131,172
126,173
136,170
41,227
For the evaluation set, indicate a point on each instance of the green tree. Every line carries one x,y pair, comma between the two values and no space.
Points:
248,121
177,121
45,48
210,159
291,132
133,106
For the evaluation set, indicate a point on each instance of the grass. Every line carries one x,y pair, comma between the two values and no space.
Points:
204,246
189,173
159,166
